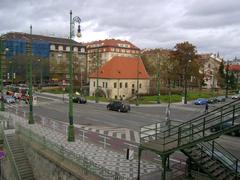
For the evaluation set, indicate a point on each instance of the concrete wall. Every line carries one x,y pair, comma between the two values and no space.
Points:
48,165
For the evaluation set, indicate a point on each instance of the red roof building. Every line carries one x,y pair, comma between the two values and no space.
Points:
234,67
122,68
120,78
108,48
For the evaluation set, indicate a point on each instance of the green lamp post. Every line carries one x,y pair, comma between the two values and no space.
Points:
97,91
29,50
74,20
158,79
2,51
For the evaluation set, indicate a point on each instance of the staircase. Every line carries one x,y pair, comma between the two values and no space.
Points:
20,160
167,139
214,160
195,139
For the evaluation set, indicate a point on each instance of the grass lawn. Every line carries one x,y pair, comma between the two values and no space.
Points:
192,95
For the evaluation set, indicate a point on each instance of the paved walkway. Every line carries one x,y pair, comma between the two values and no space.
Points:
109,159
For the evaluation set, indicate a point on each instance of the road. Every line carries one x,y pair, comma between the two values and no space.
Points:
93,114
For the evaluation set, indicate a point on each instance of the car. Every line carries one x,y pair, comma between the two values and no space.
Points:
79,99
221,98
119,106
200,101
225,125
212,100
9,99
236,96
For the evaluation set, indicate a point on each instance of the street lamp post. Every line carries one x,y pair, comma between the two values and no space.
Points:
185,82
39,60
2,51
30,120
137,100
227,80
96,93
158,79
74,20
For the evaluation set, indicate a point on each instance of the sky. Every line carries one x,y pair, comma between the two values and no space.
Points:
213,26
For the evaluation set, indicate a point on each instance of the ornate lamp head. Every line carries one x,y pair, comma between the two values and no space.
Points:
79,31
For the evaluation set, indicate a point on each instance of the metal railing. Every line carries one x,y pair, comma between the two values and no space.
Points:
217,152
10,154
86,164
193,130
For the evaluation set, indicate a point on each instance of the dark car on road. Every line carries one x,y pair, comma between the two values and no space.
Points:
223,126
212,100
80,100
221,99
118,106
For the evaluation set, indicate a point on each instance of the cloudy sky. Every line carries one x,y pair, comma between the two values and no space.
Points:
212,25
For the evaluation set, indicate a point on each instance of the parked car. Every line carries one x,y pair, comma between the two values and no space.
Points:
236,96
200,101
79,99
212,100
221,98
9,99
225,125
118,106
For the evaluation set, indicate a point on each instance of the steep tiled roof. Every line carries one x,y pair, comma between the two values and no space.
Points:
28,37
122,68
234,67
111,43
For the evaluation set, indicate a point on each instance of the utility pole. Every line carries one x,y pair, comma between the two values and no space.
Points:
29,49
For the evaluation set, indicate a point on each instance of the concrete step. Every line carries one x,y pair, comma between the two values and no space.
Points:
23,166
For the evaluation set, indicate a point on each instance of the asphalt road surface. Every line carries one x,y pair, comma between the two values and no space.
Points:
98,115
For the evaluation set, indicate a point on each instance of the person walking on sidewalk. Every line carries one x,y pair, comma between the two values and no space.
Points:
206,108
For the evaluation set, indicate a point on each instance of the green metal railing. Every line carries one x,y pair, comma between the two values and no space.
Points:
10,155
216,151
86,164
193,131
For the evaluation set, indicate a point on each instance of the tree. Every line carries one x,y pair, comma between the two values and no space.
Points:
221,75
186,65
232,81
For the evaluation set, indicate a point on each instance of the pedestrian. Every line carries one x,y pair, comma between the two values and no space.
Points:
206,108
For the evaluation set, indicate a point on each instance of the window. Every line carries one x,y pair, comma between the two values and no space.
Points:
132,85
82,50
115,97
60,48
120,85
115,85
52,47
93,83
67,48
106,84
75,49
103,84
126,85
140,85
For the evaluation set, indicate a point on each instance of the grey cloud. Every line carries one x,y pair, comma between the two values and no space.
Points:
211,25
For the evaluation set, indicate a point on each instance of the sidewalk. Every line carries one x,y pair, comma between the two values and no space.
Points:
109,159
